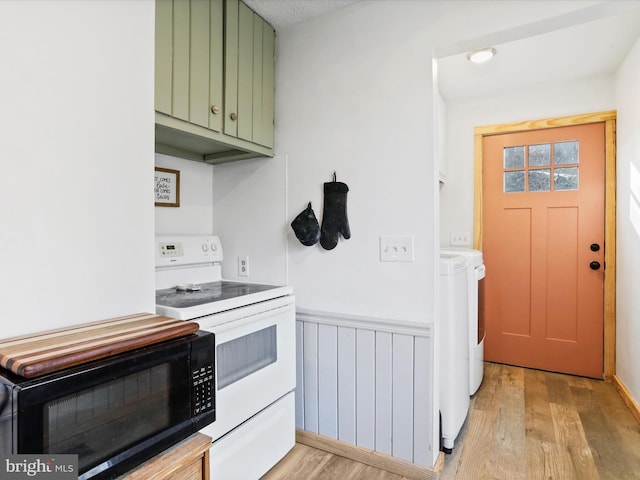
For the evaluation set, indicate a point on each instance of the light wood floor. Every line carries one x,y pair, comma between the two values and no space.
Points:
528,424
522,424
308,463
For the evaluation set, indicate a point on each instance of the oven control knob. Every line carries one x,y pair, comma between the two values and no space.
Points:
214,247
205,247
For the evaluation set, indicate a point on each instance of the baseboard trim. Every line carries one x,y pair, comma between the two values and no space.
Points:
626,396
366,456
437,468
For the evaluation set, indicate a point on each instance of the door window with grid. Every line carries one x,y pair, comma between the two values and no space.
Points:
541,167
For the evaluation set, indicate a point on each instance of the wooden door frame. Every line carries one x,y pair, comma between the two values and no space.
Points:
609,119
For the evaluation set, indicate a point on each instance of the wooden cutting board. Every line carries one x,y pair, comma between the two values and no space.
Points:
52,350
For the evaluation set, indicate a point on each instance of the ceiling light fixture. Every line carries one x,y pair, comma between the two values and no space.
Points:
481,55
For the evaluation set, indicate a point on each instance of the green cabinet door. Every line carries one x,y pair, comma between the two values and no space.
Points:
164,60
189,62
180,81
249,75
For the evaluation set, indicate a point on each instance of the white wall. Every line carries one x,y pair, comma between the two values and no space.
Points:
76,203
553,100
251,217
195,213
628,220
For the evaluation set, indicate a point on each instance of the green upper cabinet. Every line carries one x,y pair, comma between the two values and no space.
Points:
214,84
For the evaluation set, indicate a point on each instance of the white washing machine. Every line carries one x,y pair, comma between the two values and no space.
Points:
454,347
475,272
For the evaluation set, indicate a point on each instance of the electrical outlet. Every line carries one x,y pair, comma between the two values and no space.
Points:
396,248
460,238
243,266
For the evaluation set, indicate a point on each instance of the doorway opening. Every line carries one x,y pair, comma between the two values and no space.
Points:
609,119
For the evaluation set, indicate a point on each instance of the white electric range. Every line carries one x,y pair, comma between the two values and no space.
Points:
254,328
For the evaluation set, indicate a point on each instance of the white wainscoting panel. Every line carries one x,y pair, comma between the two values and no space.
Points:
366,388
327,381
347,384
366,382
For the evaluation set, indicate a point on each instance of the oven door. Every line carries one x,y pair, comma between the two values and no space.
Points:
255,360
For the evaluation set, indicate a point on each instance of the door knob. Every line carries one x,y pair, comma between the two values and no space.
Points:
594,265
594,247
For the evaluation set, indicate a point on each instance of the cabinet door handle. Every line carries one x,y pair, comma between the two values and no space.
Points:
215,109
233,116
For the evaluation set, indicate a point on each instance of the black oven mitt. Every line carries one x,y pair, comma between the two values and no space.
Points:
306,227
334,215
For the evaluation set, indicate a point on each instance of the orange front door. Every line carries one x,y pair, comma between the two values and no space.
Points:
543,244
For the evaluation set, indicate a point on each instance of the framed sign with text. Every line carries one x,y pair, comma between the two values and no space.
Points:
167,186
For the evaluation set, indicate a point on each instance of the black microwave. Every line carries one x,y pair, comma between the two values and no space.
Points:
114,413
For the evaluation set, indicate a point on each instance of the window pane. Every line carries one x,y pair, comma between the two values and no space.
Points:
242,356
514,157
540,155
565,152
539,180
565,178
514,181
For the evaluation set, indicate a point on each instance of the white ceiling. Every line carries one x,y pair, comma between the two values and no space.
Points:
281,13
591,41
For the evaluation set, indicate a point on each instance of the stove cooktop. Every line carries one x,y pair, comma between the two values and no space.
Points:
208,293
212,298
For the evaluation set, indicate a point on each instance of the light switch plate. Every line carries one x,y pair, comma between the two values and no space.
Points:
460,238
397,248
